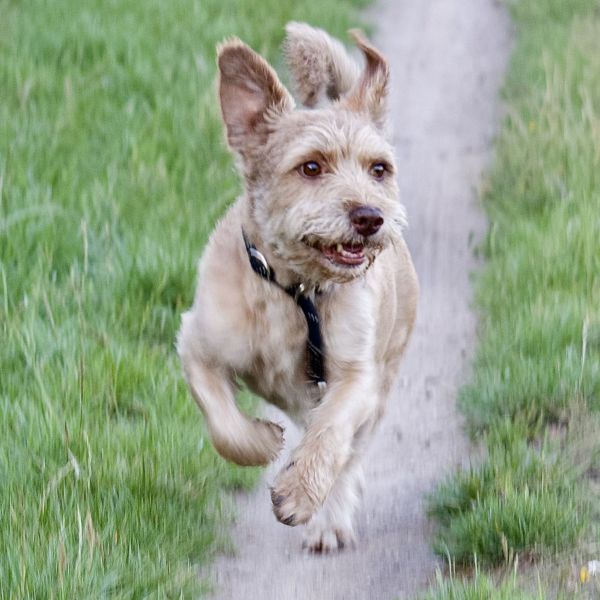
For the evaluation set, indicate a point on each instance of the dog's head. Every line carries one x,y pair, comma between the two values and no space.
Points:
320,179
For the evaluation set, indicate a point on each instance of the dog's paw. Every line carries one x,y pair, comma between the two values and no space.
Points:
322,538
292,504
270,439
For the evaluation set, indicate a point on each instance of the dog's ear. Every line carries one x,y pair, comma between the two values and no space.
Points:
251,95
319,64
371,91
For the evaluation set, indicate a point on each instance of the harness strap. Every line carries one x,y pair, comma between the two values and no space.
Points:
315,367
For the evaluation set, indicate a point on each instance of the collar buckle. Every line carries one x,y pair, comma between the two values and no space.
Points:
299,291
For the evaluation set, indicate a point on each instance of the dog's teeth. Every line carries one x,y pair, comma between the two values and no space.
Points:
340,248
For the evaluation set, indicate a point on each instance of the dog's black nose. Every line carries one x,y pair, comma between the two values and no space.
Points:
366,220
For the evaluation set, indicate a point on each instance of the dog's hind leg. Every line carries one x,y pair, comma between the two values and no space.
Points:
235,436
332,527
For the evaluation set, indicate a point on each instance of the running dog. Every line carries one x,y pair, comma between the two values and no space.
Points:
306,290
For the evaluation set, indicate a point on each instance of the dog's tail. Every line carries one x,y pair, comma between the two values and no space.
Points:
235,436
321,67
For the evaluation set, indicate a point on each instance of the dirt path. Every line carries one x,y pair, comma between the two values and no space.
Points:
448,57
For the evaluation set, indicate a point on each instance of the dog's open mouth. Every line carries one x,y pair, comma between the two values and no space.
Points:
350,255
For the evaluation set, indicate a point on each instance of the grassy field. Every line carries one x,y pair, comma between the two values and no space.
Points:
112,173
534,399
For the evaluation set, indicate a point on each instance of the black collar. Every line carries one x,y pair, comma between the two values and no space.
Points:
315,368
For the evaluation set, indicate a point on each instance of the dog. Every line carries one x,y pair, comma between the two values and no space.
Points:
306,290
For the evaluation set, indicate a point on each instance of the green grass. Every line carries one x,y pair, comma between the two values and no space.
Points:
536,378
519,501
112,173
480,588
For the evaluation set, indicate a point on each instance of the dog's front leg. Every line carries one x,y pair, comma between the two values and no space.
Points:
235,436
302,486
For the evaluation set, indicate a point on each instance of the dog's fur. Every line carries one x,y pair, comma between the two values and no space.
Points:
242,326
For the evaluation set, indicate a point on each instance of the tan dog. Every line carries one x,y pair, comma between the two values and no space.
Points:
321,206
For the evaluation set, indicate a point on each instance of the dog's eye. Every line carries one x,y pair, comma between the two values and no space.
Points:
378,170
310,169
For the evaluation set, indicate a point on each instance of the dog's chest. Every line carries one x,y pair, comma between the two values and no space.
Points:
277,362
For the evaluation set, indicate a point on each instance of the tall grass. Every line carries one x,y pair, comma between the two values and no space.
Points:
112,173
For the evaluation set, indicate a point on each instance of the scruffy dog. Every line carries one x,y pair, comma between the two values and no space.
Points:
306,290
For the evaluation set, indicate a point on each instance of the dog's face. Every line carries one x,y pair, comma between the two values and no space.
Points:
321,182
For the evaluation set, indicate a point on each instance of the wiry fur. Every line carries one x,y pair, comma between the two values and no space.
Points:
320,66
243,326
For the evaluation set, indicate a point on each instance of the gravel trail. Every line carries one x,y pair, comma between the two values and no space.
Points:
448,58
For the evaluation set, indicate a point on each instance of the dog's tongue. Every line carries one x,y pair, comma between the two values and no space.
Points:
345,254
